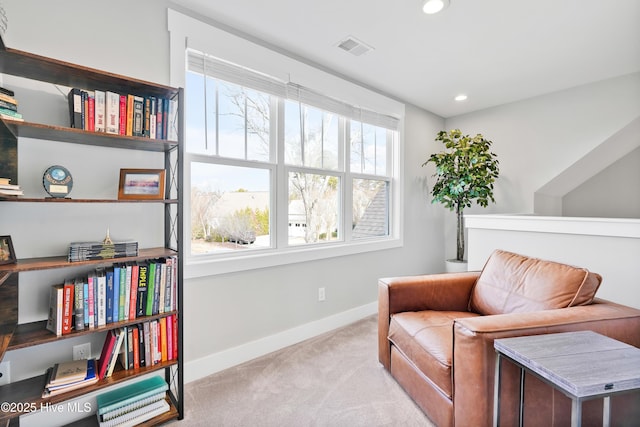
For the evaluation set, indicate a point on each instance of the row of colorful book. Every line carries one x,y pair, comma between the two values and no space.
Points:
141,345
123,114
121,292
86,251
133,404
67,376
9,105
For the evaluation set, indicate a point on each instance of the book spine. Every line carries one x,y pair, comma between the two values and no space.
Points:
122,126
91,301
142,290
151,284
67,308
159,118
147,343
112,111
78,304
129,131
85,303
75,107
102,299
134,291
146,131
91,112
126,288
116,295
169,337
85,108
141,345
56,303
138,116
136,346
100,117
110,296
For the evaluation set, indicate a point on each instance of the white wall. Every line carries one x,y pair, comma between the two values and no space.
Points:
612,193
538,138
228,318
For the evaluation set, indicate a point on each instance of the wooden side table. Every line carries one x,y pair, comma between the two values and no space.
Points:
583,365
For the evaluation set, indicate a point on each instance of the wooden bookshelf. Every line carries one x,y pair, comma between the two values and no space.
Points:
14,336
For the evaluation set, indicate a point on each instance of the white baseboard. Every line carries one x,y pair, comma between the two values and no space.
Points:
217,362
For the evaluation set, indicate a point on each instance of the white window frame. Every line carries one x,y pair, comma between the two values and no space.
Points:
189,32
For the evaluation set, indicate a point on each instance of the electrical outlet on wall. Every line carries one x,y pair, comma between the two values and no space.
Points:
321,294
82,351
5,373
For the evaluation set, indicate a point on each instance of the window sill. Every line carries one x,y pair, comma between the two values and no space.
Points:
209,266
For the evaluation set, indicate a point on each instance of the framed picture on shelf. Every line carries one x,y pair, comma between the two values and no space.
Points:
141,184
7,254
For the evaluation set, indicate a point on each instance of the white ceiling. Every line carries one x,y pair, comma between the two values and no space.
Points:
495,51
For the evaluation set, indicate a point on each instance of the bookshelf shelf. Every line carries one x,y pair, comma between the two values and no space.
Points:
17,336
68,200
29,391
79,136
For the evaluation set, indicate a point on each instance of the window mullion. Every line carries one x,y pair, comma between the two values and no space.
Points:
279,182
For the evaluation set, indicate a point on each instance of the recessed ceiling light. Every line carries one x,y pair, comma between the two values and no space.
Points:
461,97
434,6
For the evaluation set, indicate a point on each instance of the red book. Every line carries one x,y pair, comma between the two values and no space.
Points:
67,307
123,115
107,353
170,337
91,112
134,291
175,336
136,348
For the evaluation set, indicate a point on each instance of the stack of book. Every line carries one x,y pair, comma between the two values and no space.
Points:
86,251
9,105
133,404
67,376
8,189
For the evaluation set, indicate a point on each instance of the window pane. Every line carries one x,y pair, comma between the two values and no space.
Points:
229,208
258,122
319,145
355,132
313,208
231,120
370,212
195,117
368,148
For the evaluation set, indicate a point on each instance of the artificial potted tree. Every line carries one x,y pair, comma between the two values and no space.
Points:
465,172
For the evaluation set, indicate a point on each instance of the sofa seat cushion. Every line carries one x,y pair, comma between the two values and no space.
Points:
426,339
512,283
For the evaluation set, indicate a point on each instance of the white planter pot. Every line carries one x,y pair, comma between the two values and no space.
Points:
455,266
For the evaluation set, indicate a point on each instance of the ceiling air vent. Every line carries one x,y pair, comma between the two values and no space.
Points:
354,46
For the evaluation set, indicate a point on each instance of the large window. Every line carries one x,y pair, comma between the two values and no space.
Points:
275,166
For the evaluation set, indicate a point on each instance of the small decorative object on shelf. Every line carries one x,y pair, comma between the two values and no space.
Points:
7,255
107,240
57,181
141,184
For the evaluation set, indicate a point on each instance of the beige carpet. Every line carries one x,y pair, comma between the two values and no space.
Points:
330,380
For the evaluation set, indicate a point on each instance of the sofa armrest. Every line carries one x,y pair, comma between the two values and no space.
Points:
474,355
446,291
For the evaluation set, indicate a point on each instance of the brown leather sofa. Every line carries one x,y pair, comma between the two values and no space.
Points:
436,332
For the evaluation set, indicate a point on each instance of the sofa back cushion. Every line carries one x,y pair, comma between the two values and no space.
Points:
512,283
